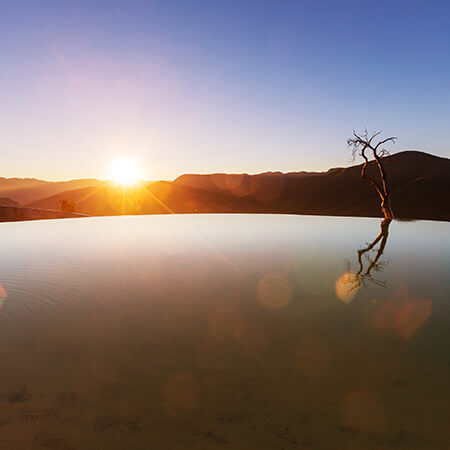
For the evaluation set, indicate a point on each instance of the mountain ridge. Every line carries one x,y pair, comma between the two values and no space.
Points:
26,190
419,183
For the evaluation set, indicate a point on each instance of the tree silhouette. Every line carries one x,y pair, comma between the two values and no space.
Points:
362,144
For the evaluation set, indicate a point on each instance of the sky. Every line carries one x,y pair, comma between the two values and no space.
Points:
217,86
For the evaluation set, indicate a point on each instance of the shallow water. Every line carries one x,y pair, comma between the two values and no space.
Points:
224,331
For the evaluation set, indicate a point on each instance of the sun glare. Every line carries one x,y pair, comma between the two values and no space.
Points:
124,171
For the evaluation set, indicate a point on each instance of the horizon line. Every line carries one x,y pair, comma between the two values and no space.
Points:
105,179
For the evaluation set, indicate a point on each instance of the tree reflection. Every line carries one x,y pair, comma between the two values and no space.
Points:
369,260
399,311
374,263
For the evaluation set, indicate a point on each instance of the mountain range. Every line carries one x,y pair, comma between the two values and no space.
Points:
420,186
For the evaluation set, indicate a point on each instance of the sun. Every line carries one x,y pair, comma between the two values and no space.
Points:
124,171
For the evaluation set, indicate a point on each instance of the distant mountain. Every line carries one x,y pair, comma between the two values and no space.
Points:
161,197
239,184
14,213
8,202
420,185
26,190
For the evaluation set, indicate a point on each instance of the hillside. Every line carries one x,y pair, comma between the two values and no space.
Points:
27,190
15,213
419,182
8,202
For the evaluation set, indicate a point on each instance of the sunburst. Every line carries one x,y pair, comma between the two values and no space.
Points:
125,171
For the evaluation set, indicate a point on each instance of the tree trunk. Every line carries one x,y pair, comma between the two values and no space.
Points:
386,194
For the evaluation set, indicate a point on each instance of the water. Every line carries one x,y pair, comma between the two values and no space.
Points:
224,331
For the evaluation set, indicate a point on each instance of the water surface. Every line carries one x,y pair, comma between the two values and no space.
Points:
224,331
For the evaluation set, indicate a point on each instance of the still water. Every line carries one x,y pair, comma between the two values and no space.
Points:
224,331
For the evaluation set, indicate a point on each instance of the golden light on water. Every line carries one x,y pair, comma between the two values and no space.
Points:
125,171
347,286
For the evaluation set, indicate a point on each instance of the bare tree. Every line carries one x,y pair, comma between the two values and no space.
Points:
362,144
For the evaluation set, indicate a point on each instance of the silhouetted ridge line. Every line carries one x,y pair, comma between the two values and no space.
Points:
420,188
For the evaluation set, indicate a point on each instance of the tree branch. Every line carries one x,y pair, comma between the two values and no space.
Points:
359,143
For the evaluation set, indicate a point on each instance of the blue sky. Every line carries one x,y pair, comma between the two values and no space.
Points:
217,86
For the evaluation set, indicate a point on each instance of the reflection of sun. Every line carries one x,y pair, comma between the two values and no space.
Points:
124,171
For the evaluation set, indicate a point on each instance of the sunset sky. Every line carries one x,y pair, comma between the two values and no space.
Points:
217,86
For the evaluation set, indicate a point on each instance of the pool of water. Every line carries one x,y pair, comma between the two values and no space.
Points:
224,331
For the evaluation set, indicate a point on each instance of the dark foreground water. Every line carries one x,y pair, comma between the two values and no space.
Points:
224,331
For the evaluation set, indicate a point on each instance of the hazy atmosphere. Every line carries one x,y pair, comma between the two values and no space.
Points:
224,225
245,86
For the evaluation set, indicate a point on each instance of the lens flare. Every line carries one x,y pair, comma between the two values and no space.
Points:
3,295
347,286
403,313
275,291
